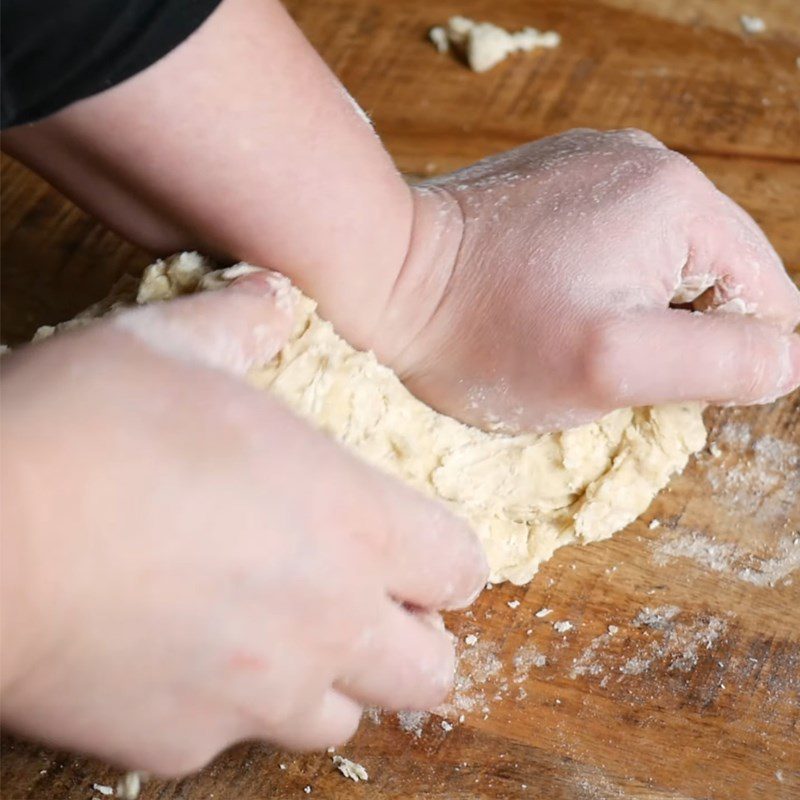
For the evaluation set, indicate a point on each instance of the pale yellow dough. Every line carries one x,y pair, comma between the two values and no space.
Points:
525,495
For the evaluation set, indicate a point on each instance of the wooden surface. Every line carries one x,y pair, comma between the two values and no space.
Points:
697,693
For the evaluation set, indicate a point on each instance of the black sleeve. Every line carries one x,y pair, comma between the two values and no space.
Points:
54,52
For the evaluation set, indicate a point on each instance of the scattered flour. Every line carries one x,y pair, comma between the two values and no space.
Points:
587,663
681,644
659,618
669,645
764,480
478,680
413,722
635,666
729,558
526,657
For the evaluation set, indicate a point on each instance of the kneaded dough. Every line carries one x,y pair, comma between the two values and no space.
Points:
525,495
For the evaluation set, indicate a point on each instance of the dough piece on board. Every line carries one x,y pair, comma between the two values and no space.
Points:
525,495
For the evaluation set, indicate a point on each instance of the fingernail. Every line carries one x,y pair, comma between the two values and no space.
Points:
266,283
256,283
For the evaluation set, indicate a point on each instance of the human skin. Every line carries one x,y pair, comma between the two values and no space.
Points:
186,563
530,291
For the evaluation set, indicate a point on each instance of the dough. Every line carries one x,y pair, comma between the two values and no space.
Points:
525,495
484,45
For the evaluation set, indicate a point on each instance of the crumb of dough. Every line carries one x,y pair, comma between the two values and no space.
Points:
438,35
752,24
130,785
484,44
350,769
563,626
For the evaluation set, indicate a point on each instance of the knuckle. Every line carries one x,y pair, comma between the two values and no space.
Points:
758,365
271,713
604,371
674,168
640,137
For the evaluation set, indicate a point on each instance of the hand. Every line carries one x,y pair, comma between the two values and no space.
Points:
186,563
539,286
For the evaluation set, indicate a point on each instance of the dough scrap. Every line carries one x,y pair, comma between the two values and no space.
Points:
525,495
484,44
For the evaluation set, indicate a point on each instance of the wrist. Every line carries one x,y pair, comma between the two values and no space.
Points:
31,564
424,276
16,573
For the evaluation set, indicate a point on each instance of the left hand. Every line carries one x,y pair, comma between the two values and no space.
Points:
540,286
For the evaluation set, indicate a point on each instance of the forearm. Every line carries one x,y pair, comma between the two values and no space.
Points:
241,143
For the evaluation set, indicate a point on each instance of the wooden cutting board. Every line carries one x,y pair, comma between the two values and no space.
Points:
680,675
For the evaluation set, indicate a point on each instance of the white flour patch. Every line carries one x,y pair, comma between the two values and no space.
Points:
588,663
635,666
729,558
658,618
666,644
478,680
527,656
413,722
482,679
679,645
762,481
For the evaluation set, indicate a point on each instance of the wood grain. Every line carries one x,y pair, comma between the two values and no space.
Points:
700,701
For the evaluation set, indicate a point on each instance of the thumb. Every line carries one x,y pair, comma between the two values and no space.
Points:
233,329
672,356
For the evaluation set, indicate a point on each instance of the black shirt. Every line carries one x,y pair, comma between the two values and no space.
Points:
54,52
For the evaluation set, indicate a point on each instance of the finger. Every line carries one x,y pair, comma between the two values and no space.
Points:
433,559
234,329
329,723
403,662
732,256
672,356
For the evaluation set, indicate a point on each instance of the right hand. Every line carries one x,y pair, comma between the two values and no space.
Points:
187,564
540,287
